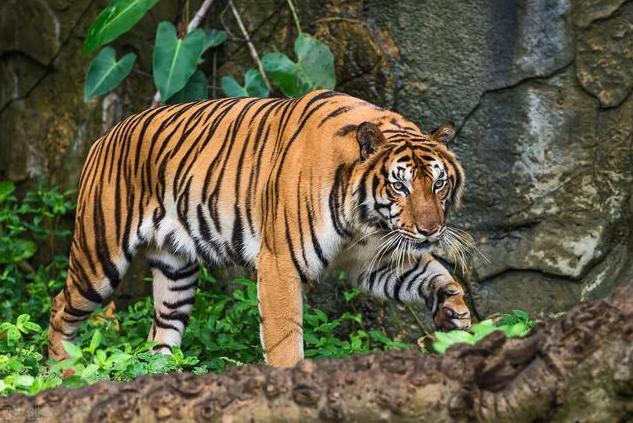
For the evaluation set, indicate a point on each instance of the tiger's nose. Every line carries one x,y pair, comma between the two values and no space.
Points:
434,230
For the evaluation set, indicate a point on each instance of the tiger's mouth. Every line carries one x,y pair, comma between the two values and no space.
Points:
418,241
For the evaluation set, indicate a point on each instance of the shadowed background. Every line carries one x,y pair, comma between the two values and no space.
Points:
540,91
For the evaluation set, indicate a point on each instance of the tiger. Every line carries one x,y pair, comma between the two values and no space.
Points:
287,187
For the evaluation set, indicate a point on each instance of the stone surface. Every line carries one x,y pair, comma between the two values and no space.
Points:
31,28
540,90
605,57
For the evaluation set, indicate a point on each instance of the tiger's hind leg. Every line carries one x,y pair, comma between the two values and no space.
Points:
174,287
92,277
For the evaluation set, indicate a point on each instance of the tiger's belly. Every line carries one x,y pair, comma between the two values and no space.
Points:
193,230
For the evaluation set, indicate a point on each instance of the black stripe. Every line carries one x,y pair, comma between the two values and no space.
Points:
338,189
315,241
183,287
163,325
160,346
336,112
170,273
300,271
180,317
177,304
69,309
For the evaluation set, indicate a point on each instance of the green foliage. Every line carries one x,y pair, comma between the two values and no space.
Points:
313,69
119,17
177,56
515,324
25,289
195,89
175,59
6,188
214,38
254,85
105,72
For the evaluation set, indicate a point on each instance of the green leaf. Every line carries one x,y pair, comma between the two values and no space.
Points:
196,89
286,74
254,85
95,341
214,37
446,339
13,335
174,59
73,350
483,329
32,327
317,61
24,324
23,380
350,295
119,17
314,68
105,73
518,329
6,188
455,336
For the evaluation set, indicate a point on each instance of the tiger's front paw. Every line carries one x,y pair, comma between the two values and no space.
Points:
452,311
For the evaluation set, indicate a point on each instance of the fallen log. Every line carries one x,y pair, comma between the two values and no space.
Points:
577,368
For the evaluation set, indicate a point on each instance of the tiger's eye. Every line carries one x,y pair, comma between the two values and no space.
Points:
438,185
398,186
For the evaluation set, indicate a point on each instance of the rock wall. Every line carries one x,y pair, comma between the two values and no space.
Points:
540,91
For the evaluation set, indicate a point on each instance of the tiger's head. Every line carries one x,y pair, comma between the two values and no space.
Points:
410,183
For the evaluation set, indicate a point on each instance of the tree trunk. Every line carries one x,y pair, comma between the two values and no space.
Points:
578,368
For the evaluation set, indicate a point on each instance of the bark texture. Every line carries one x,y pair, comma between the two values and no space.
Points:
578,368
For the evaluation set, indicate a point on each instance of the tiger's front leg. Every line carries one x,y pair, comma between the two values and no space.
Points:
279,292
426,280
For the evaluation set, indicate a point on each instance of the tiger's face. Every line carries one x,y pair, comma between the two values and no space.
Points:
411,183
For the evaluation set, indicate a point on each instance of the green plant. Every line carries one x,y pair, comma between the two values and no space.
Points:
515,324
26,285
313,69
106,72
177,56
254,85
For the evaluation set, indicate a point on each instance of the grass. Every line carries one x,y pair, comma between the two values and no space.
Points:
111,345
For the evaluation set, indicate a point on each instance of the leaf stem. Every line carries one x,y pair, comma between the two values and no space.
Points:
417,320
251,47
291,5
197,18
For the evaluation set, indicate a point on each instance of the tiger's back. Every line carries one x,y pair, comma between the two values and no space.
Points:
203,176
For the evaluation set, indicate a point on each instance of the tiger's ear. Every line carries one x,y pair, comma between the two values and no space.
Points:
369,136
444,133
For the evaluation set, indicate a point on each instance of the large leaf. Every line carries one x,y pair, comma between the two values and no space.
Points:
314,68
196,89
316,60
286,74
254,85
119,17
105,73
214,37
175,59
72,350
6,188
